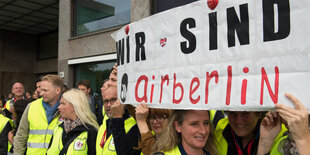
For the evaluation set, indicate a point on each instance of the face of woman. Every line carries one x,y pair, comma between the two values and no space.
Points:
66,109
195,129
158,123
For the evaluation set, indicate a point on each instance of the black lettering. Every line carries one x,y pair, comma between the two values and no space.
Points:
188,35
140,49
283,19
212,31
120,52
241,27
128,49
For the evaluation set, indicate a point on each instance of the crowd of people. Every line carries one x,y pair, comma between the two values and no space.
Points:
57,120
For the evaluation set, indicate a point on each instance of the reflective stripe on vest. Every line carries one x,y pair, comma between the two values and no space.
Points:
40,132
109,147
78,146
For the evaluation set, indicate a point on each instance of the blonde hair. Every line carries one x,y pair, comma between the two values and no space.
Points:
54,79
171,138
81,107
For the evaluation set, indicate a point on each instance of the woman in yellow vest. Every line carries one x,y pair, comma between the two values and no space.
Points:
156,119
5,128
77,134
188,132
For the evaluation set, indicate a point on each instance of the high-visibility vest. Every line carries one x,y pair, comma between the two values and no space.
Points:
174,151
40,132
3,122
9,148
78,146
7,105
222,145
109,147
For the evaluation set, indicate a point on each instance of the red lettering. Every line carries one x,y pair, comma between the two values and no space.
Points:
274,96
152,90
177,101
228,90
144,97
163,79
244,87
192,91
209,77
243,91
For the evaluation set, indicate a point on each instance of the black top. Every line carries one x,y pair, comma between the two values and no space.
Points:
124,143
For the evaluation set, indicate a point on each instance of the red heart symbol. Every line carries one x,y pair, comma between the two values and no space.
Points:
127,29
212,4
163,42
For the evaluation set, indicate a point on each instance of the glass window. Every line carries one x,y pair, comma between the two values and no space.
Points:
92,15
96,73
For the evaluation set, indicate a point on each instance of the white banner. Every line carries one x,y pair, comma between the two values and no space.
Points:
231,55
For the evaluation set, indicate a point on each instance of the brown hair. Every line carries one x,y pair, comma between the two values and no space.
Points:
160,112
85,83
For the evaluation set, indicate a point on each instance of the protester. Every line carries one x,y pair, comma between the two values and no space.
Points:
18,92
35,95
39,119
28,94
157,119
5,127
2,102
38,88
188,132
239,133
95,104
18,110
296,140
118,133
77,134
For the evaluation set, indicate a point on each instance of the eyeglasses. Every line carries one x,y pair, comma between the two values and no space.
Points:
111,101
159,119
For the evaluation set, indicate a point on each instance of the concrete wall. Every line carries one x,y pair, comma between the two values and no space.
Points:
18,61
96,43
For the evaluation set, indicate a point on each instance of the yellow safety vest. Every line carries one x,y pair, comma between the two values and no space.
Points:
174,151
9,148
3,122
109,147
78,146
222,145
40,132
7,105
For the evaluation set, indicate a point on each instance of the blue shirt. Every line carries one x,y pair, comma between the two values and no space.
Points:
50,111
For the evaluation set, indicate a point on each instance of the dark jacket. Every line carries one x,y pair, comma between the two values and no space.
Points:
124,143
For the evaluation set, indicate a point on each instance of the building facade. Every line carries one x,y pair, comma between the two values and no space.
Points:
85,48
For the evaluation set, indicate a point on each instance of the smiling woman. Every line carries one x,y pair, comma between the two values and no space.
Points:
79,129
188,132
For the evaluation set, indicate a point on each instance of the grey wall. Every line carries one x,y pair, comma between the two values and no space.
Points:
90,44
18,60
